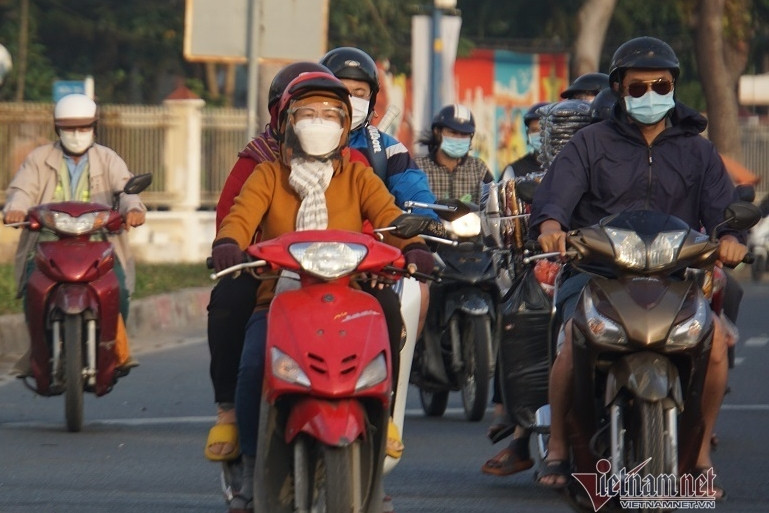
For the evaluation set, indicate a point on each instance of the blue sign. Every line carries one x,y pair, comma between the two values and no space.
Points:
62,88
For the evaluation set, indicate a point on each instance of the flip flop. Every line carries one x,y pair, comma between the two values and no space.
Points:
559,468
225,435
394,443
506,463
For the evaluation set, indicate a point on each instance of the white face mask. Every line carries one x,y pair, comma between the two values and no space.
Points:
359,111
318,137
76,142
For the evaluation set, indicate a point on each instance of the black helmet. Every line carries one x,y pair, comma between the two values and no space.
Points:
456,117
354,64
282,78
602,105
532,114
588,83
643,53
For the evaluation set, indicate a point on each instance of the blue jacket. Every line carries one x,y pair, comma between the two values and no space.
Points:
404,179
607,168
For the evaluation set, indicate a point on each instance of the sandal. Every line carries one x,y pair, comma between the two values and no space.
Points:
223,436
394,443
557,468
509,460
501,427
718,490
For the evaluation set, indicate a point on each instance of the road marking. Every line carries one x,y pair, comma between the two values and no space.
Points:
739,360
745,407
756,341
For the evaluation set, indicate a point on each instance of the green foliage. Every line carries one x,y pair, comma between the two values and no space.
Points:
151,279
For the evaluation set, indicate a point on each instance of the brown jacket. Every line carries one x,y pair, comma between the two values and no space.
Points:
268,200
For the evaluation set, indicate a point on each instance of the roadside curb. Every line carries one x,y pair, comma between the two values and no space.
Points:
151,321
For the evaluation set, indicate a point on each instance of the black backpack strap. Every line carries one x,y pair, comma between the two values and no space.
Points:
376,152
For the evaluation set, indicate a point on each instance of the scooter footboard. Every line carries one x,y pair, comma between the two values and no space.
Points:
333,422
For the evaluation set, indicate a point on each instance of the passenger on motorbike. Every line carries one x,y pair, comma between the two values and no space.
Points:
389,158
451,171
312,186
647,156
74,168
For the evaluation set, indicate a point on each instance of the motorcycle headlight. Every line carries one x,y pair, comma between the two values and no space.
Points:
687,334
65,223
284,367
664,248
328,260
602,329
629,249
468,225
374,373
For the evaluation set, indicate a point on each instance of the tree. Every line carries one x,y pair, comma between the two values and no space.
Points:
723,31
593,18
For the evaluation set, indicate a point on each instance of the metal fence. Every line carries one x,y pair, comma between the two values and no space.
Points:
139,134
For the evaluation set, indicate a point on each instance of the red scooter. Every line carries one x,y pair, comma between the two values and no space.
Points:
73,300
327,382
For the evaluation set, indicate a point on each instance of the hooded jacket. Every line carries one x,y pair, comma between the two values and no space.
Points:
608,167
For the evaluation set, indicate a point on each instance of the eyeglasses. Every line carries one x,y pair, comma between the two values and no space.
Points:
325,113
660,86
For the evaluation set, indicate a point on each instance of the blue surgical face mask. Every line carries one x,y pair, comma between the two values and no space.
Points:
535,141
455,147
649,108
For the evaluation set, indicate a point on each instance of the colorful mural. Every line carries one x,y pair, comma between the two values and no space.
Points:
498,86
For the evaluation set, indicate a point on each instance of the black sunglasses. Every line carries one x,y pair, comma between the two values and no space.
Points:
638,89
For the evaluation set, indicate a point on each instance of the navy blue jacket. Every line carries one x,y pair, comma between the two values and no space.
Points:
607,168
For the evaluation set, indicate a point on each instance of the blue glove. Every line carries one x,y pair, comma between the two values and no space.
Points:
226,255
420,257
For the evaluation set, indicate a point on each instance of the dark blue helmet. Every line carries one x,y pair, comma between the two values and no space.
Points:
456,117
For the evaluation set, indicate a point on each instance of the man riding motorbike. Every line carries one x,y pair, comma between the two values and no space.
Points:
647,156
312,186
74,168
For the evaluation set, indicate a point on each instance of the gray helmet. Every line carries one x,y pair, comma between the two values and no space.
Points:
588,83
532,114
643,53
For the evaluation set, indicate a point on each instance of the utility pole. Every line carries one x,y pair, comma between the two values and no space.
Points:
436,54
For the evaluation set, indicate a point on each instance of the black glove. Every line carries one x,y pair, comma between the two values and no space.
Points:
410,225
421,257
226,254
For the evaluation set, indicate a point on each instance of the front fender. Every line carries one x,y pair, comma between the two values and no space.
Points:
335,423
470,301
646,375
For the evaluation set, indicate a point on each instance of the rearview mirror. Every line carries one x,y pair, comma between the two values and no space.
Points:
741,215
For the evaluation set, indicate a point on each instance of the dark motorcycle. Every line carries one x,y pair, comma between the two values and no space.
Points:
459,341
641,344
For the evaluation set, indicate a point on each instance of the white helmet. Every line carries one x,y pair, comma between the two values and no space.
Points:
74,110
6,63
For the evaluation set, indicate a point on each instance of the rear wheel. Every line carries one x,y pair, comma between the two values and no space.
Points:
73,365
476,342
434,403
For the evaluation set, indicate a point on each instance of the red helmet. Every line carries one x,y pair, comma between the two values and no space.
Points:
309,84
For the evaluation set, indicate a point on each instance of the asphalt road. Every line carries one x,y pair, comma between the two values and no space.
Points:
141,449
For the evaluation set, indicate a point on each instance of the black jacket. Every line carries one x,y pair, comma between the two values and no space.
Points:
607,167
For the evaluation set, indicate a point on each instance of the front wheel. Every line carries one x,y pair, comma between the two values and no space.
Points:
73,364
476,344
434,403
